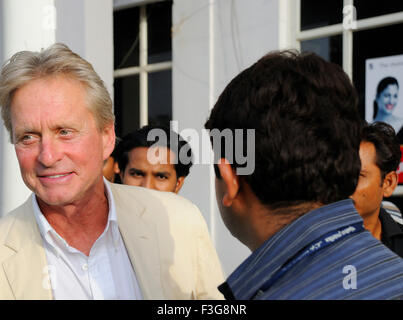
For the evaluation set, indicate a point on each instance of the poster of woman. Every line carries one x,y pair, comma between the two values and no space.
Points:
383,96
383,80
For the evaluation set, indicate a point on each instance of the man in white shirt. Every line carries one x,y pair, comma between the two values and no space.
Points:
79,237
105,274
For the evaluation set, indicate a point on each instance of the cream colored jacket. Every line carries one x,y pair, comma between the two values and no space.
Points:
165,235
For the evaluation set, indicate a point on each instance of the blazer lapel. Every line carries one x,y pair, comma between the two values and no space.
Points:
26,269
139,235
28,275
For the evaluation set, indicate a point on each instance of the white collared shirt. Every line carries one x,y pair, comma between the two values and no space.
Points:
106,273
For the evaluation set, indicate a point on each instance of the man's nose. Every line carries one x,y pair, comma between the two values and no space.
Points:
148,182
49,153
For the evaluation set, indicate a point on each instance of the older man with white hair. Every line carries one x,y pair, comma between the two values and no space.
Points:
90,238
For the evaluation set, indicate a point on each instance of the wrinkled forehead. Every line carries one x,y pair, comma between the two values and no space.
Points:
51,101
61,80
54,89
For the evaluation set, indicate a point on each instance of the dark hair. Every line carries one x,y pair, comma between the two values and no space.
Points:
307,128
139,139
382,85
386,144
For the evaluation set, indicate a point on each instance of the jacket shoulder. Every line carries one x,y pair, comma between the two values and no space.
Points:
190,267
19,214
157,201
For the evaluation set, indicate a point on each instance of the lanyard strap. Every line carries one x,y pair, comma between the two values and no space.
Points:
318,244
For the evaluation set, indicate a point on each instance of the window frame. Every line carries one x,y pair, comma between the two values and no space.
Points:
337,29
144,68
347,44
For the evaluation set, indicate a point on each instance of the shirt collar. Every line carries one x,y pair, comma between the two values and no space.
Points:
46,229
390,228
245,281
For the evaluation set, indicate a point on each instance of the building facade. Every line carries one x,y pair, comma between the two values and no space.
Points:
169,60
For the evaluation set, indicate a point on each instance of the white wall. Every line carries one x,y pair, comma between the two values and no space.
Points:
86,26
213,40
25,25
35,24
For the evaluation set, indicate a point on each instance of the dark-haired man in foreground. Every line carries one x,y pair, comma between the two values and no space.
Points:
380,158
294,212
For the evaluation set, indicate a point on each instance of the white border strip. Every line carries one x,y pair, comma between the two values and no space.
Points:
211,105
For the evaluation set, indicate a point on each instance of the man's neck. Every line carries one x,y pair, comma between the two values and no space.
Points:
373,224
272,221
81,223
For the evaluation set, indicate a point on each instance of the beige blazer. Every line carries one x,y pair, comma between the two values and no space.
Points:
165,236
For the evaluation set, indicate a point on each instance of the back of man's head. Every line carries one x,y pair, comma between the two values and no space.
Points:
304,112
386,144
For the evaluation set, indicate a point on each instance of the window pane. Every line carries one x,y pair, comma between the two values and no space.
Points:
160,97
367,9
126,38
159,16
374,43
319,13
127,109
329,48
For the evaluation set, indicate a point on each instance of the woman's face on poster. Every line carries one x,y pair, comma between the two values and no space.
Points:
387,99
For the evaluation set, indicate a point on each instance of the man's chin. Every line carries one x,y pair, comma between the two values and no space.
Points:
53,200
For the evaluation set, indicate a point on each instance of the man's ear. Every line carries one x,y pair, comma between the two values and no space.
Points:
179,184
389,183
231,181
108,135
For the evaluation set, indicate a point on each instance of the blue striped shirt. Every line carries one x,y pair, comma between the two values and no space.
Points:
358,266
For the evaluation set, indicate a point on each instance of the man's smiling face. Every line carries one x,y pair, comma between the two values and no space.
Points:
59,146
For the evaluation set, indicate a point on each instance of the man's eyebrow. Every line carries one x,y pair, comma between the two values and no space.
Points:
25,128
19,133
162,172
